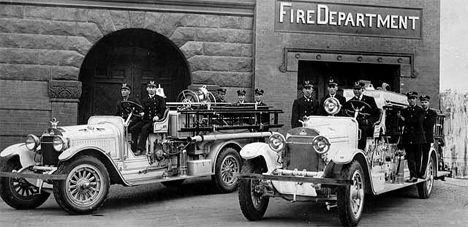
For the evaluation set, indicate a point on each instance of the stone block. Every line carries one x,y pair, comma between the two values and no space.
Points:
89,31
137,19
191,49
202,20
18,94
64,73
223,79
65,112
224,35
182,35
120,19
24,72
55,13
227,49
102,19
9,11
216,63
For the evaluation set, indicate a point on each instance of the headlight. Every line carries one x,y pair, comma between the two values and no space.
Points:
332,106
276,142
59,143
321,144
32,142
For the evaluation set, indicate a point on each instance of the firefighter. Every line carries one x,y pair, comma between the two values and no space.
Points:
125,90
332,92
369,114
221,95
428,126
303,106
154,107
241,97
259,97
413,137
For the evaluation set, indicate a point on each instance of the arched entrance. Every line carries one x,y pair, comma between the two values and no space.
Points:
132,56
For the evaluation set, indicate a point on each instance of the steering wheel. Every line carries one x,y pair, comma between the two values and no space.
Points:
358,108
131,107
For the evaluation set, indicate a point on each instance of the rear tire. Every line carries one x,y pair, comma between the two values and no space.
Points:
425,188
351,197
253,206
86,187
227,163
19,193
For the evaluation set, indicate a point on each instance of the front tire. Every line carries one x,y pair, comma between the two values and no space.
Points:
227,163
425,188
351,197
19,193
86,187
253,206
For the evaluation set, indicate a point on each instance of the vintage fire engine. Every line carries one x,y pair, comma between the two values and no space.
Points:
196,138
321,162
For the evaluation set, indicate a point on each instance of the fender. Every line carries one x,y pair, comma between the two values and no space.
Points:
345,156
73,151
259,149
26,156
216,148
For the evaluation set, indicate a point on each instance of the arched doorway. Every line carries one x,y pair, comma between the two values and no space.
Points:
132,56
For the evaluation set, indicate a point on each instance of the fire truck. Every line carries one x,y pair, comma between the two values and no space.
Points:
321,162
197,137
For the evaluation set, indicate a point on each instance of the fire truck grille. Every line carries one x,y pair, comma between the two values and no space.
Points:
49,155
301,156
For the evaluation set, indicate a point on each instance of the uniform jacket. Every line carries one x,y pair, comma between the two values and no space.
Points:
121,112
413,123
261,103
302,107
374,111
154,106
340,98
428,124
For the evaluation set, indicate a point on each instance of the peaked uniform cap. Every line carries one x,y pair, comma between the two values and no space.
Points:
412,94
424,98
152,84
241,92
332,83
359,84
307,83
126,86
259,91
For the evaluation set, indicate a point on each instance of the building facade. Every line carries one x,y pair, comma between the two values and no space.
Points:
67,59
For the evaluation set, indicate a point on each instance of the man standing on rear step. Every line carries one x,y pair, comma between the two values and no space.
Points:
154,107
413,135
428,126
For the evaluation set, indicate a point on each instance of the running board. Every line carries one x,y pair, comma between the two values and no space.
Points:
395,186
164,179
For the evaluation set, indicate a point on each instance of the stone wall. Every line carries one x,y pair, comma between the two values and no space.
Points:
42,48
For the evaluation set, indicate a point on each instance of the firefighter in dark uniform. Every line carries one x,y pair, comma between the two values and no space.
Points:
368,116
259,97
119,111
154,107
241,97
304,106
221,95
332,92
430,116
413,137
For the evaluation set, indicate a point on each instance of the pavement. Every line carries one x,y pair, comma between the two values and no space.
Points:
463,182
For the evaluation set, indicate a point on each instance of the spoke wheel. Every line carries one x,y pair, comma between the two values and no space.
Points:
425,188
86,186
18,192
253,205
227,163
351,197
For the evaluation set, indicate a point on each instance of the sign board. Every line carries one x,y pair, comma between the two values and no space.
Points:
347,19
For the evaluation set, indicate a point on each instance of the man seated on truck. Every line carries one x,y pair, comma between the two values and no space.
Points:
125,90
368,116
154,107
